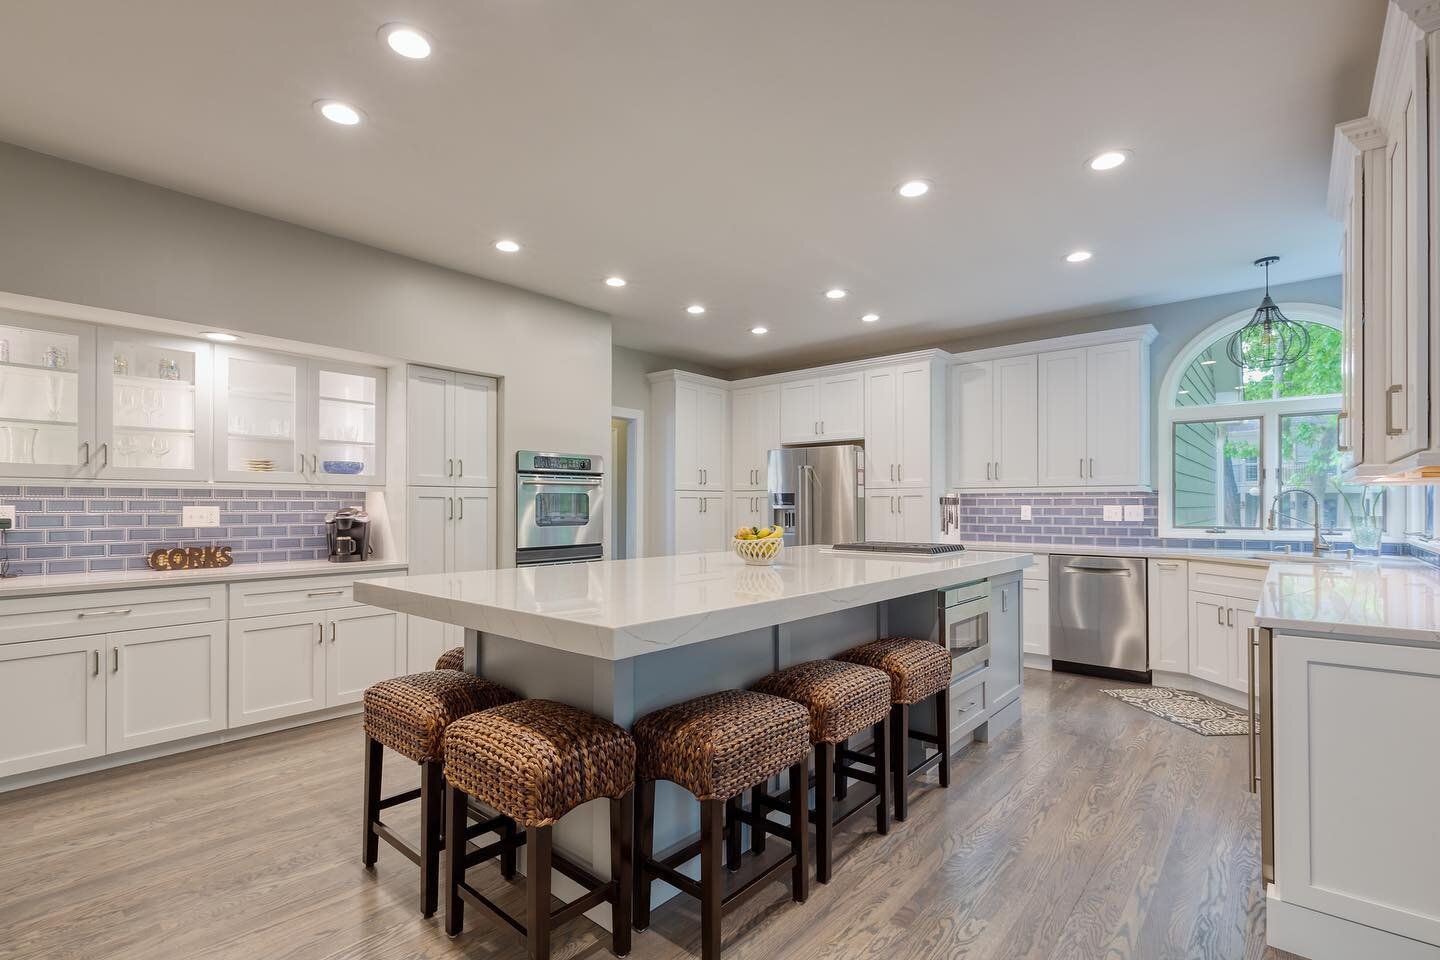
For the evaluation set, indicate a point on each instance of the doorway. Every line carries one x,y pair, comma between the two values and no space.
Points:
626,472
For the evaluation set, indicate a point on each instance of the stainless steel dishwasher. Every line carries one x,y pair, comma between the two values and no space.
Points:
1098,622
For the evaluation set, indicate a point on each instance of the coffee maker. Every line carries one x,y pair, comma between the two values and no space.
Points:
347,531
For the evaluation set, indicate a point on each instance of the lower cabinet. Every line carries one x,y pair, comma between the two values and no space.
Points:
700,525
898,515
750,510
164,684
1035,625
52,702
1220,639
1169,614
365,644
1004,680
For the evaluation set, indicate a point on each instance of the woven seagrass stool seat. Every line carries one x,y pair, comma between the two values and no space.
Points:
715,747
409,715
919,670
451,660
842,699
533,761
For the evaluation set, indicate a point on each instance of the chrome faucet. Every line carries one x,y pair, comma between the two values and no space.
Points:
1320,545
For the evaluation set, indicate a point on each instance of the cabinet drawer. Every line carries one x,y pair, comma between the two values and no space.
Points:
967,702
264,598
1227,580
77,614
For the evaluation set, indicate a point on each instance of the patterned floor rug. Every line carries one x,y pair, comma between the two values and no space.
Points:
1209,718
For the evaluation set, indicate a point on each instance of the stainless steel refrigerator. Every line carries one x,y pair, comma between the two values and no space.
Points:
818,493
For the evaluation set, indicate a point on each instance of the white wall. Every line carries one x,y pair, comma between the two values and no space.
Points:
628,367
76,234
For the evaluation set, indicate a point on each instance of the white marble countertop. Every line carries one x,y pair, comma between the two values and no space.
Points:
1387,600
1229,555
617,609
29,586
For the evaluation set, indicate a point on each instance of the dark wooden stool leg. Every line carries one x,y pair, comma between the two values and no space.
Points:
507,855
942,727
732,834
799,833
432,794
622,862
882,775
842,782
757,835
374,760
824,816
537,891
644,849
712,881
900,751
455,822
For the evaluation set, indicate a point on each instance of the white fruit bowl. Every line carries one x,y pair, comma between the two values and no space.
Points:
758,553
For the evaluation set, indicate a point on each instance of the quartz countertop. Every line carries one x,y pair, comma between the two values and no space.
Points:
28,585
617,609
1227,555
1388,600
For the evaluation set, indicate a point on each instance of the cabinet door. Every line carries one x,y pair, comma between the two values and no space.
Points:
767,431
882,416
429,416
744,453
842,407
714,528
153,396
52,703
260,416
1003,682
163,684
1112,414
473,439
430,515
277,667
347,424
749,510
973,414
1351,423
473,532
1017,412
915,516
1169,615
1241,651
1036,618
365,646
1062,418
882,515
800,411
711,431
687,445
47,398
689,526
1210,638
912,427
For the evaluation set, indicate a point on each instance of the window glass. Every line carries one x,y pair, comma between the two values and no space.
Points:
1217,474
1309,460
1211,378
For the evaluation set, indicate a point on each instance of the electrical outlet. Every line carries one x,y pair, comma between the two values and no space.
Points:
1025,511
7,512
1134,513
1113,513
200,516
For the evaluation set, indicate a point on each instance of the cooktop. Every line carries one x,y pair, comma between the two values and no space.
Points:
891,546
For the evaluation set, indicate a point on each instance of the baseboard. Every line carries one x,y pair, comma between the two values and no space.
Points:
1319,936
1184,681
1037,661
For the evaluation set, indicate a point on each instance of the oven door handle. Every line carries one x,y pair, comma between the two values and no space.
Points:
561,481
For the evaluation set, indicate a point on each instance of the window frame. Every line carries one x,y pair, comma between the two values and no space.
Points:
1268,412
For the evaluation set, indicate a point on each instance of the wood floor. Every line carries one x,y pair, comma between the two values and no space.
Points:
1093,830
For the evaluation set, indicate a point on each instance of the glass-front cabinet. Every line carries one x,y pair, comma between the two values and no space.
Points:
47,399
153,404
347,428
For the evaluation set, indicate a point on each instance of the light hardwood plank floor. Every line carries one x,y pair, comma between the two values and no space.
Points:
1093,830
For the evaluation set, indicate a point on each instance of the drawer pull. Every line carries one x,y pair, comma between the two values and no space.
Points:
325,593
104,613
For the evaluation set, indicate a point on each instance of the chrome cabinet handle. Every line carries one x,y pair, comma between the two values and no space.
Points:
1229,616
120,612
104,454
1004,601
1082,468
822,426
1342,428
460,502
997,469
320,634
449,508
325,593
95,672
1390,429
1168,566
302,463
332,631
1250,700
988,465
86,447
1220,616
314,465
449,467
1092,468
461,462
114,659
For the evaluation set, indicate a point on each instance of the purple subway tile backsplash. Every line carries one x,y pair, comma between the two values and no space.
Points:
84,529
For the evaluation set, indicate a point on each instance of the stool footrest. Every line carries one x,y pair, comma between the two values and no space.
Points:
853,773
399,798
761,821
594,898
685,854
924,737
392,838
742,893
671,876
475,897
492,850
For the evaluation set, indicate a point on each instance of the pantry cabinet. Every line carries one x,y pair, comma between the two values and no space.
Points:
994,418
823,409
451,428
755,431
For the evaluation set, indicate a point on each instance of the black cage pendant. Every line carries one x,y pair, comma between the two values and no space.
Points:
1270,339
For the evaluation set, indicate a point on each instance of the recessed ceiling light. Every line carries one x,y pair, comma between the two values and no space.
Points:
870,318
759,331
406,41
339,112
614,281
1108,160
913,188
835,293
1079,256
695,309
219,337
507,246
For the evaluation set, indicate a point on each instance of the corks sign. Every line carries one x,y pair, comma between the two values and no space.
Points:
190,558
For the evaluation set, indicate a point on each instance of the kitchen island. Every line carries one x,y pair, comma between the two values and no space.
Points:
621,638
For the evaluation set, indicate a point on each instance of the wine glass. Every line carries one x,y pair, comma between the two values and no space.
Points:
150,403
159,447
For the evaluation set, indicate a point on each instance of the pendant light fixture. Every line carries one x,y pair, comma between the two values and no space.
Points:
1269,339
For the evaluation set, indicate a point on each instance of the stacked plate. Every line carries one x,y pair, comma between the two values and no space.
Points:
260,465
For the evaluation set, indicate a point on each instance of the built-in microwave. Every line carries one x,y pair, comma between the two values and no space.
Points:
559,508
964,626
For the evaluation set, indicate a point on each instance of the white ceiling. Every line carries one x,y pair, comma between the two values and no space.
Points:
741,154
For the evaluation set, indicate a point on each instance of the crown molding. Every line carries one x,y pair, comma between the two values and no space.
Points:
1145,333
1424,13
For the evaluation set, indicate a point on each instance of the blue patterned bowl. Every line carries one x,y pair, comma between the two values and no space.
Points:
350,467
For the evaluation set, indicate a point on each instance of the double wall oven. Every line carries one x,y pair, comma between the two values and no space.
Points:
559,508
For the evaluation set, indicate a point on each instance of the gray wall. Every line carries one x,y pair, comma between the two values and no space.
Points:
76,234
628,385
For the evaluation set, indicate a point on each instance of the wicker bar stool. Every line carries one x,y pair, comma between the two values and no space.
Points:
451,659
918,670
716,746
533,762
409,715
842,699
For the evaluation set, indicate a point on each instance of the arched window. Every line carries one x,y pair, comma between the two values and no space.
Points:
1231,439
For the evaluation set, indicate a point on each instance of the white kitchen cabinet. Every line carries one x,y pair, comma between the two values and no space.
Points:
898,415
52,702
898,515
450,530
749,510
1241,651
1168,610
277,667
1035,624
1005,679
823,409
47,398
1094,416
700,525
994,414
1211,641
451,428
1063,417
882,518
972,424
755,431
153,397
800,411
473,533
260,416
345,423
364,645
164,683
699,436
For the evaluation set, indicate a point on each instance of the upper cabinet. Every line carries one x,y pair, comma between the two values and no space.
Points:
754,432
901,403
451,428
153,407
994,417
823,409
47,397
346,424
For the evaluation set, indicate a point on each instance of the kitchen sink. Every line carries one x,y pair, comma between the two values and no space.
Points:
1302,558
